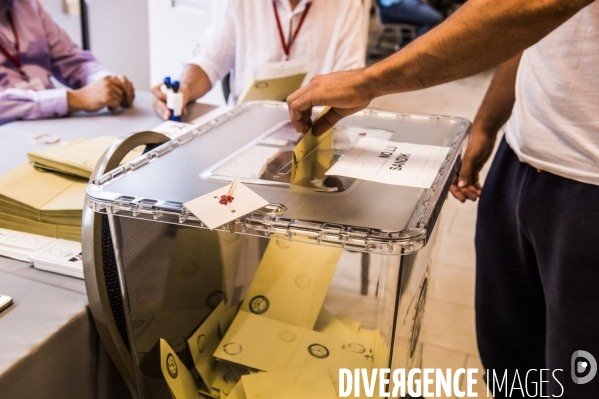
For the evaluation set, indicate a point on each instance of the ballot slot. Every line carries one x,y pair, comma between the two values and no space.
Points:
269,159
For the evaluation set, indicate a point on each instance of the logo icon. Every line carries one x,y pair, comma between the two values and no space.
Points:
259,304
171,366
318,351
583,366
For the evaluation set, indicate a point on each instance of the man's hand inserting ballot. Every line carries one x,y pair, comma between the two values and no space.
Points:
346,93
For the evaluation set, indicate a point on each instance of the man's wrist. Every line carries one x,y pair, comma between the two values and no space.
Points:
486,130
73,102
371,84
186,90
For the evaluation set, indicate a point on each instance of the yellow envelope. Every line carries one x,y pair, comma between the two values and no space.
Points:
301,383
329,324
37,189
309,163
79,157
269,345
238,392
318,349
227,378
276,89
225,320
291,282
178,378
309,142
259,342
203,342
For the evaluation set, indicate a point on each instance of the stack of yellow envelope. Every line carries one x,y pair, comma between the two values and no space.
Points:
40,202
78,157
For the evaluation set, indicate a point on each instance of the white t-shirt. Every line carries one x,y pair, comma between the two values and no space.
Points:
555,121
244,36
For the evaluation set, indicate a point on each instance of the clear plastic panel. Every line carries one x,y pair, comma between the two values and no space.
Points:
232,305
254,142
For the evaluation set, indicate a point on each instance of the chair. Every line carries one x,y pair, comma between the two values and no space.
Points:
402,31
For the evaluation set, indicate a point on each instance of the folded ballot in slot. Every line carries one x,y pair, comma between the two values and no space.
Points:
332,274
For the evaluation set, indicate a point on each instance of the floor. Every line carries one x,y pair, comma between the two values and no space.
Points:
448,333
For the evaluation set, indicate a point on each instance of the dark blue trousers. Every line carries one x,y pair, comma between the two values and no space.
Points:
537,277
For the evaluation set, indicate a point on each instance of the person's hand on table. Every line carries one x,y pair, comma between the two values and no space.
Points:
345,92
159,102
128,90
109,92
466,184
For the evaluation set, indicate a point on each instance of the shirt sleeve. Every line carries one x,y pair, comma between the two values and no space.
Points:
215,53
30,104
351,49
71,66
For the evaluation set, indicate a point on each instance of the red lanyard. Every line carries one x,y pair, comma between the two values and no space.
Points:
287,46
15,60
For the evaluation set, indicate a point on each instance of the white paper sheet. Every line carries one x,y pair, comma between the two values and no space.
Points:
388,162
213,214
173,129
60,256
18,245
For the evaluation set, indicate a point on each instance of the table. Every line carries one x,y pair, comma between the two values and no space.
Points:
49,347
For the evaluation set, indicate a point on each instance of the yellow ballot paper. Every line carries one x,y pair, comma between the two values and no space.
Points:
302,383
276,89
291,282
309,142
269,345
309,163
227,378
259,342
238,391
225,320
329,324
203,342
178,378
275,81
318,349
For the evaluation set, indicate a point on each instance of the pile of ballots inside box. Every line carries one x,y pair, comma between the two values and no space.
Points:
280,341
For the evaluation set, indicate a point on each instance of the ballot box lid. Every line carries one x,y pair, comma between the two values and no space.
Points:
240,144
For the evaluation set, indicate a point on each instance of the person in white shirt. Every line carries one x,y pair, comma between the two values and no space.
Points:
244,35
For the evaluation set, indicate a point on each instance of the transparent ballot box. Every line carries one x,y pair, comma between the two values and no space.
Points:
332,274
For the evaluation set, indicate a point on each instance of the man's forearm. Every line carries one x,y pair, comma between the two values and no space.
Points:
480,35
194,82
497,105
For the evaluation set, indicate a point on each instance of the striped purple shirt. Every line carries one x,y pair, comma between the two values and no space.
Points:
46,50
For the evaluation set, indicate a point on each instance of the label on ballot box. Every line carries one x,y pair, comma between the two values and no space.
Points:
388,162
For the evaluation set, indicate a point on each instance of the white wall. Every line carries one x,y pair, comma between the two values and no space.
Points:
175,27
119,37
70,23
